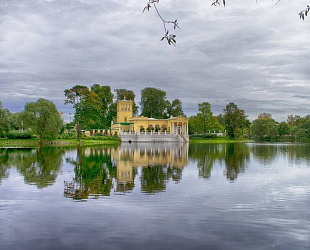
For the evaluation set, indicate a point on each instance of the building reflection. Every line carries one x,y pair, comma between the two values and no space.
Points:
159,163
103,170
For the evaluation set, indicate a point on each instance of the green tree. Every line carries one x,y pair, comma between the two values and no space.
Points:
75,96
204,121
92,106
195,125
302,129
264,128
175,108
234,120
283,129
43,118
16,122
153,103
206,115
4,120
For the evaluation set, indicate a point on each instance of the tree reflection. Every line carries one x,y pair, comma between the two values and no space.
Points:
153,179
206,156
4,166
265,153
40,167
236,159
94,173
296,153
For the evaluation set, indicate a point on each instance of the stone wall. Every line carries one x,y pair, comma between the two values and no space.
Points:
154,138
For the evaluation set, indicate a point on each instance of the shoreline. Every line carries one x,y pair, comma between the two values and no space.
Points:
34,143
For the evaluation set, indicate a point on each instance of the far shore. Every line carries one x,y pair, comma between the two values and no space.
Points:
219,140
22,143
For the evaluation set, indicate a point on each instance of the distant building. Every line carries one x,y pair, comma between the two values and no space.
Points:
141,128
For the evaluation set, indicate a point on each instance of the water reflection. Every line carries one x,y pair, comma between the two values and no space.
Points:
296,153
159,162
235,157
94,173
39,167
4,166
99,171
149,167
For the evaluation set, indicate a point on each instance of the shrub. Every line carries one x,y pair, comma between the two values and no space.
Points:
16,134
203,136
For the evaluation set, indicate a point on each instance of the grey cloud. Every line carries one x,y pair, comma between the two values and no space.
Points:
252,54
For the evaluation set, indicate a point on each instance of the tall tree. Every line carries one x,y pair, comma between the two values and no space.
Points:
175,108
43,118
283,128
4,120
92,106
75,96
205,114
103,97
264,128
153,102
204,121
234,119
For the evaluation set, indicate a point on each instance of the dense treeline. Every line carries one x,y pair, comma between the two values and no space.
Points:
95,108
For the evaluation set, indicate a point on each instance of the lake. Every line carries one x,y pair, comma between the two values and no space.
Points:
156,196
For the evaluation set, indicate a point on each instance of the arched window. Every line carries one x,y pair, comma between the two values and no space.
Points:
128,106
150,128
122,107
125,106
157,128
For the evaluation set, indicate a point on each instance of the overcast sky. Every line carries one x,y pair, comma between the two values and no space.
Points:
253,54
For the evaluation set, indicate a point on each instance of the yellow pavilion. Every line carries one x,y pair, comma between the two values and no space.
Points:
127,124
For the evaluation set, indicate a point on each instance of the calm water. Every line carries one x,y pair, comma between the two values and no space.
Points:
156,196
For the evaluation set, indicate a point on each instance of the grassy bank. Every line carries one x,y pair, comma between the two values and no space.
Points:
219,140
56,142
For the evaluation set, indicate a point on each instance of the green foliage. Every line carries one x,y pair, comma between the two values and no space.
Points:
16,134
16,122
234,120
153,103
92,106
302,128
4,120
205,115
203,136
42,118
125,94
175,108
264,129
283,129
204,121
